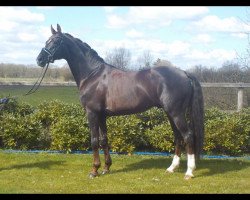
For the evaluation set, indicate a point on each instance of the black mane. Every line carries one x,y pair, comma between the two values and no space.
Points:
87,50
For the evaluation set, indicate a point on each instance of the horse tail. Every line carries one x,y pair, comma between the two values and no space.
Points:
197,116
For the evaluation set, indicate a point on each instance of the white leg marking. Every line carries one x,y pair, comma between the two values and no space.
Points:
175,164
190,165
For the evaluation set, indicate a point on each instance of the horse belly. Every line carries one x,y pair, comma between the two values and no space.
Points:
127,103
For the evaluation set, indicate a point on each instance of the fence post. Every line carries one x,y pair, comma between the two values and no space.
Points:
240,99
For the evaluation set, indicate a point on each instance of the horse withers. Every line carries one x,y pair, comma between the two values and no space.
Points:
106,90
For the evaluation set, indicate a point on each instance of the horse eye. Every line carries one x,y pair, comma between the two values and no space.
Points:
47,42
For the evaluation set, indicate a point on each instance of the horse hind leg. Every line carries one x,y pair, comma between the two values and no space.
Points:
178,140
182,126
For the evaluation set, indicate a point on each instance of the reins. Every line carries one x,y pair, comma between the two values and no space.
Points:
50,59
32,90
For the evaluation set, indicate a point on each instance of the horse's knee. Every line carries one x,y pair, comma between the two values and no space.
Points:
94,143
104,142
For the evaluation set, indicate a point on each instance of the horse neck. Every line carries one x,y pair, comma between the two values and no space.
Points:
80,64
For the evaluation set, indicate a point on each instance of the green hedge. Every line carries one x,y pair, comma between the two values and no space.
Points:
56,125
227,133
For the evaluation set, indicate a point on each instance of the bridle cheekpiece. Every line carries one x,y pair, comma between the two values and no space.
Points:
51,54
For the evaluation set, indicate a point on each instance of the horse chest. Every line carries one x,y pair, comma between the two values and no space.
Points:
92,99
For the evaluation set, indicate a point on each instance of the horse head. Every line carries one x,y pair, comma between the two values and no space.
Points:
53,48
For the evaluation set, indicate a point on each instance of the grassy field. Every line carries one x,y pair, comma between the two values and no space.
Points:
68,94
68,173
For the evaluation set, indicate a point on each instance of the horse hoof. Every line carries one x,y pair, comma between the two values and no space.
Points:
105,172
169,170
92,175
188,177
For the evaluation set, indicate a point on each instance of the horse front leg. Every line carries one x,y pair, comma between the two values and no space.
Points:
104,144
93,120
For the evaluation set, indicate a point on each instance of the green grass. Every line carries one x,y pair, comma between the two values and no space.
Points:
30,80
67,94
68,173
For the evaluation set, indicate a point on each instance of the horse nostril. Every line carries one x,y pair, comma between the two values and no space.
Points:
39,61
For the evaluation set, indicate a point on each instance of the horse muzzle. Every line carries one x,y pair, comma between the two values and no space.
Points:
44,58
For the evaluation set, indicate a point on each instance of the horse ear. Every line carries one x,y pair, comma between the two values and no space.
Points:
52,30
59,30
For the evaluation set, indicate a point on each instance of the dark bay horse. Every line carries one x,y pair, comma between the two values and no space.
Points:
108,91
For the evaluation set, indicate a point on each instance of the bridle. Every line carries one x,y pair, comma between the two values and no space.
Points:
49,60
51,54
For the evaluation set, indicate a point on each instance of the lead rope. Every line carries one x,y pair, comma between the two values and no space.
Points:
32,90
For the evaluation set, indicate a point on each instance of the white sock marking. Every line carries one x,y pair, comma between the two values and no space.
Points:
175,164
190,164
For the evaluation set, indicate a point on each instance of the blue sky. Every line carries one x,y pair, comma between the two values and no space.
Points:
186,36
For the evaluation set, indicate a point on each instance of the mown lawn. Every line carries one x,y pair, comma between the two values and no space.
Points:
67,94
68,173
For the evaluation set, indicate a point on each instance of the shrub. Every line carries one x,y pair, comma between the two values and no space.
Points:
50,112
124,133
227,135
152,117
61,126
18,132
161,137
15,107
214,113
59,121
70,133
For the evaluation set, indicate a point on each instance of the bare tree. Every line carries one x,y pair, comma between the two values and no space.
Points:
145,61
244,58
66,73
205,74
119,57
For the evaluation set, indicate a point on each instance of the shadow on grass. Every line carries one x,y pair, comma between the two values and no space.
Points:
213,166
221,166
41,165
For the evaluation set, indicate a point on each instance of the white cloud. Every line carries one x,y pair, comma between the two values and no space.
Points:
204,38
115,21
222,54
214,57
19,14
109,9
182,54
44,32
154,16
239,35
166,12
22,35
178,48
134,33
45,7
216,24
27,37
7,26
